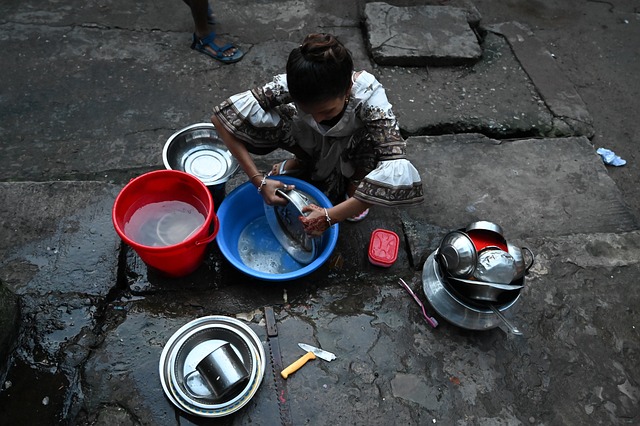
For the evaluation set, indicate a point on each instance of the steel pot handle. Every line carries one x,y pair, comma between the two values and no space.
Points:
441,260
216,227
533,259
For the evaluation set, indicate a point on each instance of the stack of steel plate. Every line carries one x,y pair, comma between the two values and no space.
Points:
190,344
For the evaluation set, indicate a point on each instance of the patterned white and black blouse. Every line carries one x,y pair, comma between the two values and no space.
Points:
364,147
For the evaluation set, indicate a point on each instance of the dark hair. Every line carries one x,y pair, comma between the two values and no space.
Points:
319,70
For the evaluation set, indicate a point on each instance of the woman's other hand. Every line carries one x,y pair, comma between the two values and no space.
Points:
290,166
315,223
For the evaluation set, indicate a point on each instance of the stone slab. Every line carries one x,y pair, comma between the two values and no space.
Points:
420,35
245,21
137,70
59,253
531,187
494,97
557,91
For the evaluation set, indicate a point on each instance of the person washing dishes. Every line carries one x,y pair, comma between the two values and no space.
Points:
337,123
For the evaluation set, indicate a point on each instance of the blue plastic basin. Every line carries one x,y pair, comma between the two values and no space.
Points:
243,206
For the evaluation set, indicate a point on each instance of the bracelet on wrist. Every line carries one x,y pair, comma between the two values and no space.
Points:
263,182
255,176
326,216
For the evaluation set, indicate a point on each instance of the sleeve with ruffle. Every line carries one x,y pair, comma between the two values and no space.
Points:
394,180
259,117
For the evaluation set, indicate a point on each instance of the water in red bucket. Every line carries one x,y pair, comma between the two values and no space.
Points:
166,216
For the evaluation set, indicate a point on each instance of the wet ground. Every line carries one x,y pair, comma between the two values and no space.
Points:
94,318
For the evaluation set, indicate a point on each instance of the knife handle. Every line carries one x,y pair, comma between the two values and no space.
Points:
297,364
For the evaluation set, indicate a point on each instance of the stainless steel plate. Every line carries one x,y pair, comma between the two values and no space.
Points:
197,337
286,226
199,151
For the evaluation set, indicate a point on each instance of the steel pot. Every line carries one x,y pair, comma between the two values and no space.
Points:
518,256
485,225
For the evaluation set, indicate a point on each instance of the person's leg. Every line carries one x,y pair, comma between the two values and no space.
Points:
200,19
211,19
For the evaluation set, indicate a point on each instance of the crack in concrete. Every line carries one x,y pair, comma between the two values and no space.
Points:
90,25
407,246
121,287
152,130
608,3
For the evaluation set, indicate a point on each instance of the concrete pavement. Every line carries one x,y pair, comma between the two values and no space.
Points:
93,93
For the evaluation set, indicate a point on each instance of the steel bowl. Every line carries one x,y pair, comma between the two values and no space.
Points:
457,254
199,151
483,239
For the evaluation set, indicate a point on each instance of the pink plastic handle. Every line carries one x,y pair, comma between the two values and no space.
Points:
430,320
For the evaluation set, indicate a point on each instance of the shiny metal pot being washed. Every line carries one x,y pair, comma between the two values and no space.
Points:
286,226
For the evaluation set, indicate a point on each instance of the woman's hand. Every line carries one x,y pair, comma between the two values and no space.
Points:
269,195
315,223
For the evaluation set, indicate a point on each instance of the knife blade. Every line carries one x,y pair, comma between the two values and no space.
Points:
326,355
312,351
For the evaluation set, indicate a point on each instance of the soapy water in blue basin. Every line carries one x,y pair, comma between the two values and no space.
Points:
244,205
260,250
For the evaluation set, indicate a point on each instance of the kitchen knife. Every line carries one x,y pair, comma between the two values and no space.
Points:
312,352
327,356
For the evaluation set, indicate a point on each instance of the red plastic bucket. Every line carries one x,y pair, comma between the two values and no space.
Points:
168,185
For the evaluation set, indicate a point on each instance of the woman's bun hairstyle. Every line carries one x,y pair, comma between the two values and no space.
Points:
319,69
